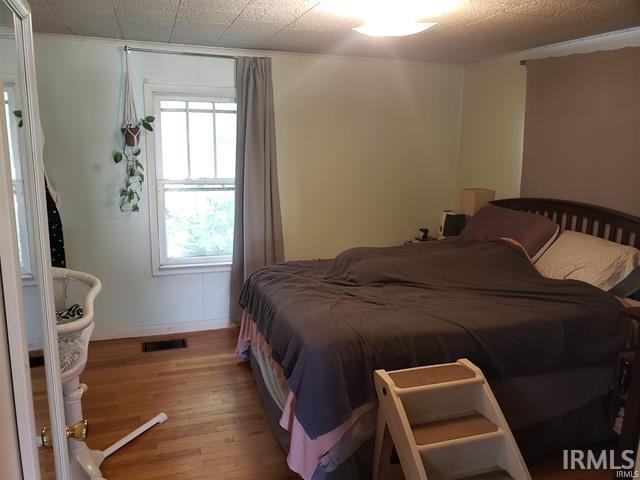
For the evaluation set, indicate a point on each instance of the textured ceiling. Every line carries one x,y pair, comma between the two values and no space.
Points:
479,30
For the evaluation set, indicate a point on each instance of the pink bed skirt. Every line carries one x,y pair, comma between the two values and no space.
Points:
304,452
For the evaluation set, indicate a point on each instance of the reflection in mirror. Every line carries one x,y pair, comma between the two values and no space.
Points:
13,114
23,203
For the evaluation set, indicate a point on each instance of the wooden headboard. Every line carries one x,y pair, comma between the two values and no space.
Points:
602,222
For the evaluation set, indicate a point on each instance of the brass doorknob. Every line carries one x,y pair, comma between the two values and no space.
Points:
45,436
78,432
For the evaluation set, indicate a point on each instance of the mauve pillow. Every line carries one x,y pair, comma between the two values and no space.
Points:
534,232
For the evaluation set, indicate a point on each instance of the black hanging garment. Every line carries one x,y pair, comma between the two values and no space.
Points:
56,238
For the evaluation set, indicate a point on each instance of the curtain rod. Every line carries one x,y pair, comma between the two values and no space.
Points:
128,49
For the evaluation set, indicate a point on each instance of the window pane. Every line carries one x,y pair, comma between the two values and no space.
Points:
21,226
172,104
174,145
226,106
16,206
200,106
201,144
198,221
11,125
18,188
226,144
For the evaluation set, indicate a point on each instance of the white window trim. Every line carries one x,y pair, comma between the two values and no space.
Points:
153,143
18,141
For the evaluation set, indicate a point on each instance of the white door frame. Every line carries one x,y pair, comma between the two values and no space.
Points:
11,278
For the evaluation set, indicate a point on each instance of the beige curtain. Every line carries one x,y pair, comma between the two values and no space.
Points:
582,129
258,224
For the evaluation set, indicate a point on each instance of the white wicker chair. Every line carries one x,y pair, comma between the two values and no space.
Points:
72,287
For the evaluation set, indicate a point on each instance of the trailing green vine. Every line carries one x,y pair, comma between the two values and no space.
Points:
130,193
18,114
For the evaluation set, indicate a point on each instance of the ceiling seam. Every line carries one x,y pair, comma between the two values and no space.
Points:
175,20
46,2
292,21
234,21
115,14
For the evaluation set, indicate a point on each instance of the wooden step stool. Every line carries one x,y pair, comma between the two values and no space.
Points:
445,424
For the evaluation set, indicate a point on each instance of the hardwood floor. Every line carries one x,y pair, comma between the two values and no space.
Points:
216,428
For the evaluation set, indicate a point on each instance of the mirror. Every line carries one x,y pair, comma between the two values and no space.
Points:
27,285
22,203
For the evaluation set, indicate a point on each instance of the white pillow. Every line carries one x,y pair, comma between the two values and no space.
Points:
594,260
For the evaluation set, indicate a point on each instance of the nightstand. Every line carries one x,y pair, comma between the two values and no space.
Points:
631,423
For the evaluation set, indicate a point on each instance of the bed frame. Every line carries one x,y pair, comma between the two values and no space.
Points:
604,223
601,222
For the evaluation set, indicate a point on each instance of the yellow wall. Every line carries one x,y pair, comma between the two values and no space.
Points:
493,127
366,150
493,113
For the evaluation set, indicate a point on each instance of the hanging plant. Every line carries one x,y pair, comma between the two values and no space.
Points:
130,193
18,114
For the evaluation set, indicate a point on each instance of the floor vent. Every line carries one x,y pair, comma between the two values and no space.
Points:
164,345
36,361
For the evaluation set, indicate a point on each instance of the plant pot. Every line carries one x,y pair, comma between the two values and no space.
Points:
131,136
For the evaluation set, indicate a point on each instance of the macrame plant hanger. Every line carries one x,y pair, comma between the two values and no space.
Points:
130,194
130,127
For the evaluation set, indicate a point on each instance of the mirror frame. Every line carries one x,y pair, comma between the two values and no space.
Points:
13,317
41,261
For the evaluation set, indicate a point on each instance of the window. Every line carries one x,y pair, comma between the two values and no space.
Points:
17,178
194,152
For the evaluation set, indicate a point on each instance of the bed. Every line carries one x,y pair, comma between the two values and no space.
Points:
314,331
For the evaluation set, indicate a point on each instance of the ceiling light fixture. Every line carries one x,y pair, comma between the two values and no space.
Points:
391,18
393,29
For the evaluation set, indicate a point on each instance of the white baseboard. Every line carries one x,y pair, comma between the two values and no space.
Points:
159,329
147,330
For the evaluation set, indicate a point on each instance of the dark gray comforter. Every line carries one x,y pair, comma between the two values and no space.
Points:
332,323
